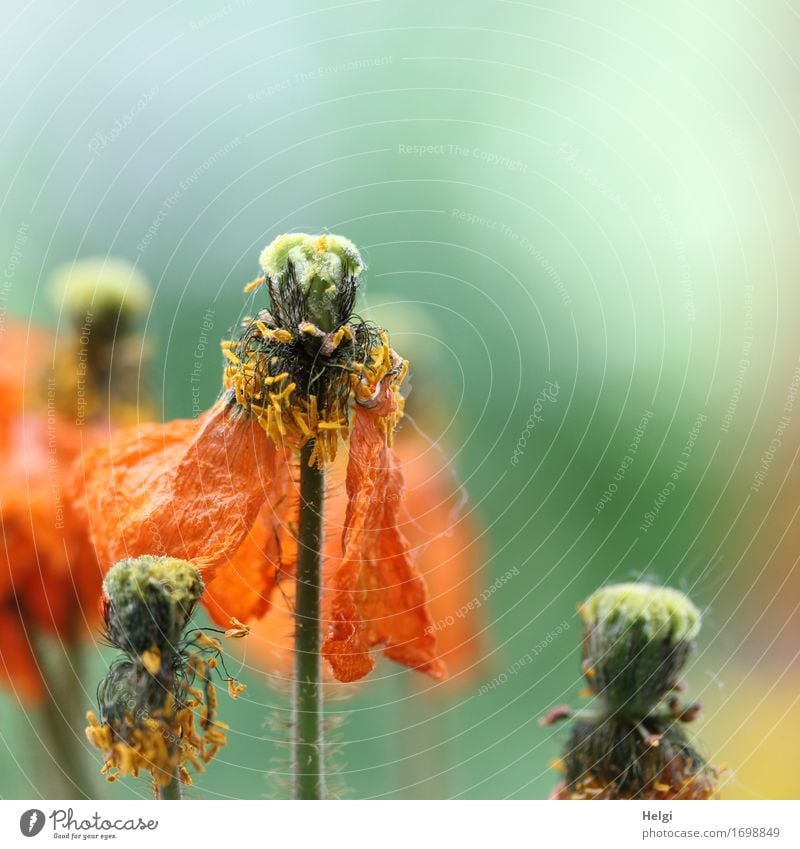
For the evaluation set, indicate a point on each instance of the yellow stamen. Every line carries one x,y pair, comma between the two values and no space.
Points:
152,660
254,284
238,629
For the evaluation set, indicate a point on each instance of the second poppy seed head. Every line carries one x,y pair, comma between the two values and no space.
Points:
149,601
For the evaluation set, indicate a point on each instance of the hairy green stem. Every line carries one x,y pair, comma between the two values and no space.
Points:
308,761
171,790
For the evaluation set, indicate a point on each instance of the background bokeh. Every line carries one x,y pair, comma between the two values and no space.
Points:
599,195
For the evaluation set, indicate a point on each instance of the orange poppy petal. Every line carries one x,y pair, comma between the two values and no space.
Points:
24,351
242,587
43,547
17,662
379,597
187,489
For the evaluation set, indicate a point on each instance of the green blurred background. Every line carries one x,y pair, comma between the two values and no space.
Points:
600,195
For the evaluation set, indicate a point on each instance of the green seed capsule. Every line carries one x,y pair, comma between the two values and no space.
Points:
149,602
312,279
636,641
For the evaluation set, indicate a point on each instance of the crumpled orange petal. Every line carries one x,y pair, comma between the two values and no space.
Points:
243,586
188,489
378,594
33,563
445,541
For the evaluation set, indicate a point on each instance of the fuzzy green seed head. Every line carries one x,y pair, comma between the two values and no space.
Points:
662,612
150,601
106,287
637,639
324,267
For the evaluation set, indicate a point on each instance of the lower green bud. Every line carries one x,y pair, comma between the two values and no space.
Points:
631,744
612,758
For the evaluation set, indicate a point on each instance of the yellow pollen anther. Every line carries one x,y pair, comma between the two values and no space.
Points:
288,415
237,630
151,659
254,284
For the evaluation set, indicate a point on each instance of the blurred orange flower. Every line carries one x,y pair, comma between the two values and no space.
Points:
54,406
49,579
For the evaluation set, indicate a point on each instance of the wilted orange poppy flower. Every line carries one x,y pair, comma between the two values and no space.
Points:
218,492
443,539
17,661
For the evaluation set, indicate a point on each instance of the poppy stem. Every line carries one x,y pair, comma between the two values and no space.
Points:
171,790
308,762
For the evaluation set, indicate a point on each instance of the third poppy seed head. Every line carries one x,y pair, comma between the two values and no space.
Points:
637,638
